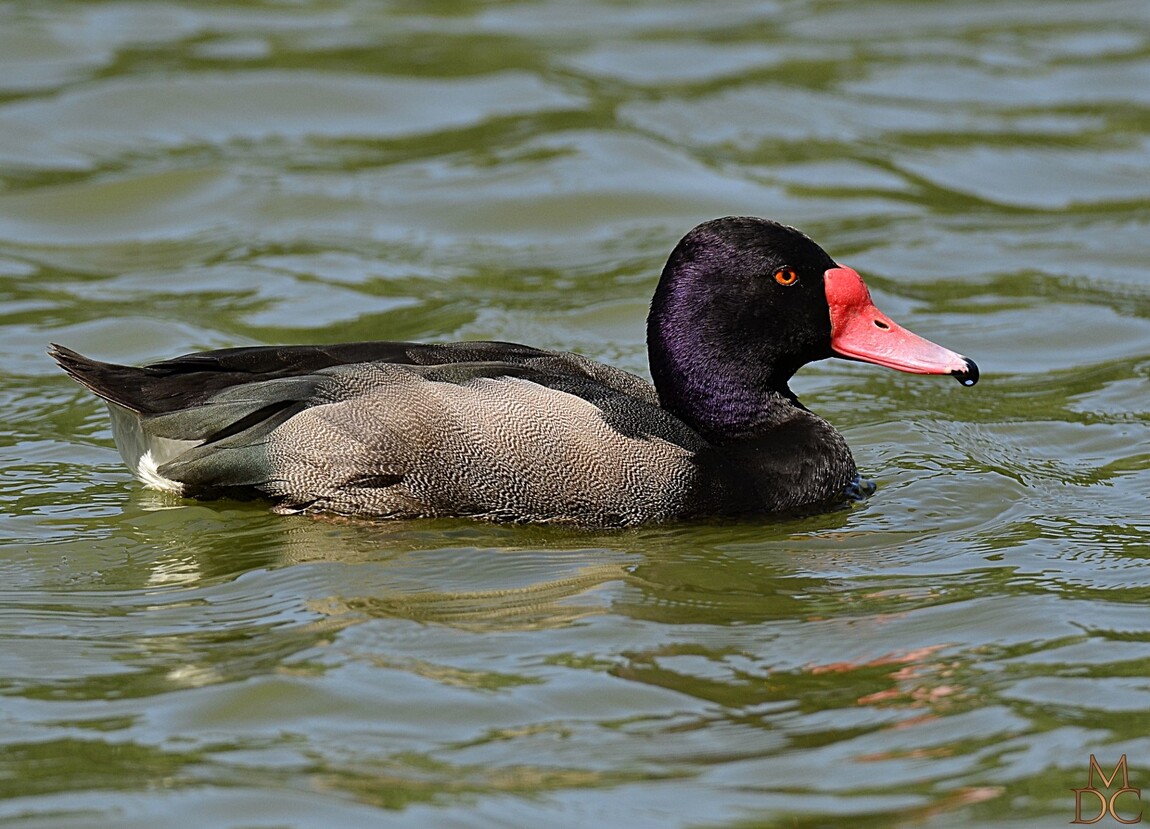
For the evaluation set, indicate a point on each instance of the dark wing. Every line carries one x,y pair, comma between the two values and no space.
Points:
190,380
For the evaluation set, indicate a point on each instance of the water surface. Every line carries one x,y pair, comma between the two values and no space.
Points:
187,175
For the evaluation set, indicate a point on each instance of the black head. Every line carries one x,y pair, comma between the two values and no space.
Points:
743,303
739,309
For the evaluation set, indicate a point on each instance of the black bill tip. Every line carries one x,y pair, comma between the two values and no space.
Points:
969,375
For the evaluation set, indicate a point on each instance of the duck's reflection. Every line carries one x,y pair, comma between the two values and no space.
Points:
490,576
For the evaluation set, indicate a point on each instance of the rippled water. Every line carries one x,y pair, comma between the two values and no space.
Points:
184,175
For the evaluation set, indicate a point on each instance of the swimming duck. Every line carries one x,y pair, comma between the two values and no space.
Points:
506,432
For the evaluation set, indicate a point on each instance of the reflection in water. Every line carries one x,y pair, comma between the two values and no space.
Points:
548,603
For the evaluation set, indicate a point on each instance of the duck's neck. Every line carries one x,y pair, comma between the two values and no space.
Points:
768,452
726,390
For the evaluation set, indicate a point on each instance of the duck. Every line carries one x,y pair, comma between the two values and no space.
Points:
505,432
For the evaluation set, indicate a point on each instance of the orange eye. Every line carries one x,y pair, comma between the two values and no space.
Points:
786,277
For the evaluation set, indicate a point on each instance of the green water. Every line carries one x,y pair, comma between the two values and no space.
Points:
186,175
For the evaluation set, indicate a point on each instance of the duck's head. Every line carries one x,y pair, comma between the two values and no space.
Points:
743,303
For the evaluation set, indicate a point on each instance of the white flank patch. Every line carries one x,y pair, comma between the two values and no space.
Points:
147,472
144,453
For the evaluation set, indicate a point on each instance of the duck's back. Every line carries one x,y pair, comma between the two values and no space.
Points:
493,430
